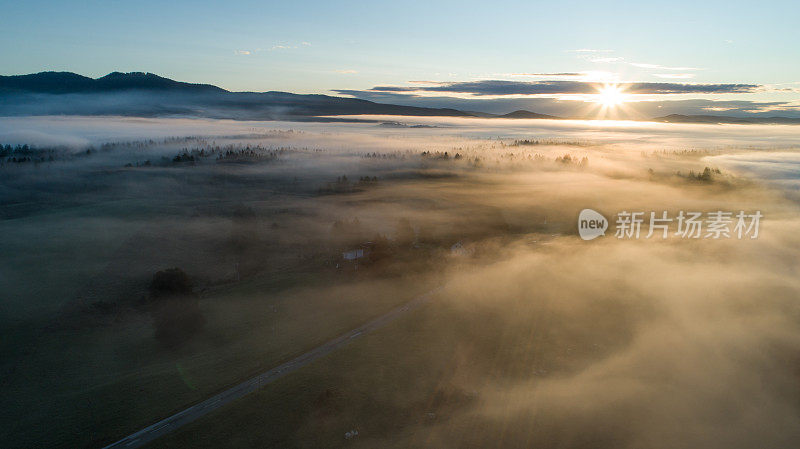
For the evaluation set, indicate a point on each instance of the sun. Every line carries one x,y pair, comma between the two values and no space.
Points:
610,96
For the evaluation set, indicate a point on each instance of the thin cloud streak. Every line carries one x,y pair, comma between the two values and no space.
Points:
558,107
589,50
661,67
551,74
674,75
561,87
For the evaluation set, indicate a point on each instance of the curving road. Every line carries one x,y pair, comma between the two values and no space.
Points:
201,409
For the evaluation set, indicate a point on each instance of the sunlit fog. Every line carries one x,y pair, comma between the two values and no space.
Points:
148,264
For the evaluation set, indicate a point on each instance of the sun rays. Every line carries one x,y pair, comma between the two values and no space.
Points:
611,99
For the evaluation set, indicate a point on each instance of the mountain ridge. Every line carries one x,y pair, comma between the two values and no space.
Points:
148,94
525,114
68,82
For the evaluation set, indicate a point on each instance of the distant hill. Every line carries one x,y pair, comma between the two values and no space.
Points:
528,114
147,94
717,119
68,82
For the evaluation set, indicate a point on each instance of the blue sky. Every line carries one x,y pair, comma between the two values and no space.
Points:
318,47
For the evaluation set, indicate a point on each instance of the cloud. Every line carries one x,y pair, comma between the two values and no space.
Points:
605,60
596,56
241,52
593,55
589,50
289,46
793,87
395,89
551,74
560,87
346,72
661,67
578,109
674,75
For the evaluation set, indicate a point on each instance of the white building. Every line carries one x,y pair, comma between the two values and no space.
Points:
353,254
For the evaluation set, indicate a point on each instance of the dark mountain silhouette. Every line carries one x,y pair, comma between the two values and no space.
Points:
139,80
717,119
147,94
52,82
527,114
68,82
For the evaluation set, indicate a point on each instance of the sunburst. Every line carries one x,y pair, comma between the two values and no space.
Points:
611,96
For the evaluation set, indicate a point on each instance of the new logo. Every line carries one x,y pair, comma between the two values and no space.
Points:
591,224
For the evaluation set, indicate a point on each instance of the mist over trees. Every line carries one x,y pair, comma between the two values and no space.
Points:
151,283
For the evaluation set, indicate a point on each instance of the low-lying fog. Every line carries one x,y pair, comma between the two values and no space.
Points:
553,341
71,130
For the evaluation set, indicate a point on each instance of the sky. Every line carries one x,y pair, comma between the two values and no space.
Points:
350,48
